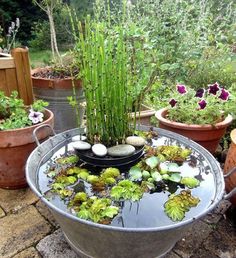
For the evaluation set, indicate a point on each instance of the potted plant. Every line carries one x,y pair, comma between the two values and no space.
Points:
17,123
57,84
201,115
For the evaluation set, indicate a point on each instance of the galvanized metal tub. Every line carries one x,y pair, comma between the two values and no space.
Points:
90,239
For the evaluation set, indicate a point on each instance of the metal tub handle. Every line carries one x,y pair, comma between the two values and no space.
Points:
40,127
232,192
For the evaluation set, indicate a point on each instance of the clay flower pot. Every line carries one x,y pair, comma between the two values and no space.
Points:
15,147
206,135
144,116
230,163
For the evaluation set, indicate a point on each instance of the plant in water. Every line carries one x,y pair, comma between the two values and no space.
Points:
178,205
14,114
110,61
204,106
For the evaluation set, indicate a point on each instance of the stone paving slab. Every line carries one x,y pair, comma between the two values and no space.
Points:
222,241
192,239
46,213
21,230
2,213
14,200
55,246
28,253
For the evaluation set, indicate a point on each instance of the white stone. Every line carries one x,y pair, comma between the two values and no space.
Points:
78,138
99,150
121,150
81,145
136,141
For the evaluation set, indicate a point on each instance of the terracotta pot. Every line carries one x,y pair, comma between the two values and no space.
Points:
144,116
206,135
15,147
230,163
56,91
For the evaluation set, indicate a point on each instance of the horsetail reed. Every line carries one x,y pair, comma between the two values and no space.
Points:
113,69
103,62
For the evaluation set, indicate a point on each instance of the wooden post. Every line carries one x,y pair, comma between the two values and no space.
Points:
23,76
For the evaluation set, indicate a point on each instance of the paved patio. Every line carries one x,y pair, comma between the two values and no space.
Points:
28,230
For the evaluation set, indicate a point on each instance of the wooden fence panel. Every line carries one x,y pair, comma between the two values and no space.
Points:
15,74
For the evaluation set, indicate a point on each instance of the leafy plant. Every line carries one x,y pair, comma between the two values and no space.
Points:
178,205
126,190
204,106
14,114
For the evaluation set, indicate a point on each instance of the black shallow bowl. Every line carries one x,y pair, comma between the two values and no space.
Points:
108,161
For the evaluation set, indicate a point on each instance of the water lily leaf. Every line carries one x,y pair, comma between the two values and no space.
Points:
135,173
175,177
163,168
190,182
173,167
152,162
156,176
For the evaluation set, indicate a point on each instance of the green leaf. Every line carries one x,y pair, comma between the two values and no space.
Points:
156,176
110,211
173,167
145,174
175,177
152,162
135,173
83,214
190,182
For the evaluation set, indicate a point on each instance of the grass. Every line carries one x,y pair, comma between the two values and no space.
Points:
40,58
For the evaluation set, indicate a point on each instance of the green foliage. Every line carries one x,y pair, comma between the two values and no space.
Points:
190,182
72,159
97,210
126,190
189,110
14,114
178,205
173,153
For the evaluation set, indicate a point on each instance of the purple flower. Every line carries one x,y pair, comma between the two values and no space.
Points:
200,93
35,117
224,95
214,88
181,89
172,102
202,103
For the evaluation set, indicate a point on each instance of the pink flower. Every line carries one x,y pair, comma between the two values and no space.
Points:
224,95
202,103
181,89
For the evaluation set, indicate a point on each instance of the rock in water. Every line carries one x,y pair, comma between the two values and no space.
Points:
78,138
121,150
99,150
81,145
136,141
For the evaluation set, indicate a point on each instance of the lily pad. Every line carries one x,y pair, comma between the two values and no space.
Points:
152,162
135,173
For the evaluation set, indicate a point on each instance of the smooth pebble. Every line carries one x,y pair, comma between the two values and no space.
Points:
121,150
81,145
78,138
99,150
136,141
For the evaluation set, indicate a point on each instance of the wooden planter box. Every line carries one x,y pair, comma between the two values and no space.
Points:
15,74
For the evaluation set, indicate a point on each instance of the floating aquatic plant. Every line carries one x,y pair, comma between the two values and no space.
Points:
126,190
178,205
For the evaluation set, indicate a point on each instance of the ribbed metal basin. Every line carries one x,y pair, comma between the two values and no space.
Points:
90,239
